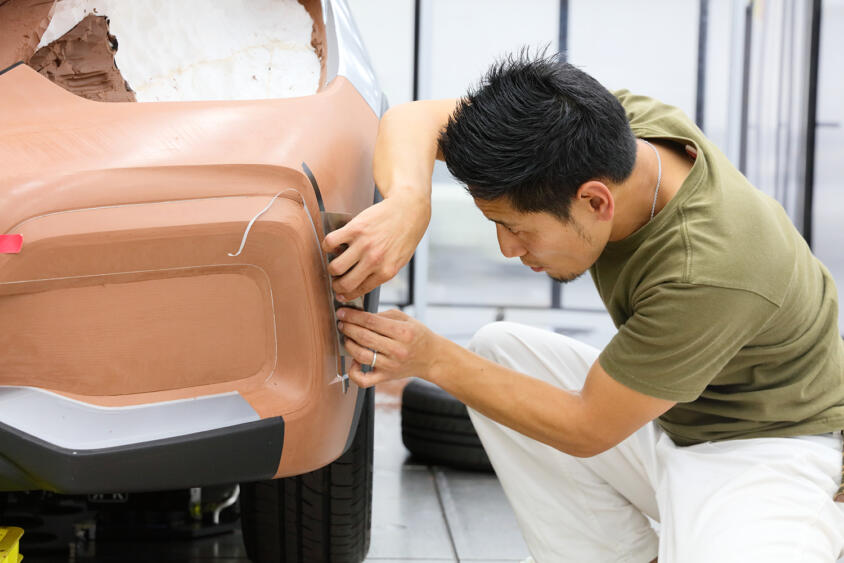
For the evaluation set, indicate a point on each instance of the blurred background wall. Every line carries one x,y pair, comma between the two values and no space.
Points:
762,78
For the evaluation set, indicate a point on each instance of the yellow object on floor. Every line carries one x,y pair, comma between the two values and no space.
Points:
10,545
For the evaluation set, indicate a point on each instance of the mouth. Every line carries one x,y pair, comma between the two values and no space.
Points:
535,268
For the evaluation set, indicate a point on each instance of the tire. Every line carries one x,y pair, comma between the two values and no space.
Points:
436,428
321,517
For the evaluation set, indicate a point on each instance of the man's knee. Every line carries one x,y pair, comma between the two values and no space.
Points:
542,354
490,339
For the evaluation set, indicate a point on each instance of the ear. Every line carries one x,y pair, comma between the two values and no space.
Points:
596,198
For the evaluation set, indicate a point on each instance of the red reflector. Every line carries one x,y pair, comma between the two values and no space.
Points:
10,244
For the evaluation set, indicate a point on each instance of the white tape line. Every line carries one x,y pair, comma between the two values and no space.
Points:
249,226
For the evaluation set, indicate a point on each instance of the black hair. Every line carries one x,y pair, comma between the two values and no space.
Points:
534,130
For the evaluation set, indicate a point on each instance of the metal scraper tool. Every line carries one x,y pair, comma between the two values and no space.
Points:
331,222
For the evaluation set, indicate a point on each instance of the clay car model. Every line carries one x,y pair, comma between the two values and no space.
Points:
166,315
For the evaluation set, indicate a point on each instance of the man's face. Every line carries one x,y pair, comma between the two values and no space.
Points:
543,242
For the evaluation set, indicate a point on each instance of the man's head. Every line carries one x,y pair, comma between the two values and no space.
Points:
538,144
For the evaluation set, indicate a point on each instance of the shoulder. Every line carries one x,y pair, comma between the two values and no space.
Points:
650,113
739,238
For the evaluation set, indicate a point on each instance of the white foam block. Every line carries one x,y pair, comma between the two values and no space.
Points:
199,50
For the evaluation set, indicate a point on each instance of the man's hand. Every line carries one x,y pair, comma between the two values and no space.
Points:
380,240
406,347
581,423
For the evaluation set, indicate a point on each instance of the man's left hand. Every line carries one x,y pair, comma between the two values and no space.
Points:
405,347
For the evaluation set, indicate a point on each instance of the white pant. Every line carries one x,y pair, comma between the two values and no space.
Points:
765,500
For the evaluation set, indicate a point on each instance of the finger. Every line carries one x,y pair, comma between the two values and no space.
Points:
361,379
335,239
345,260
348,284
368,338
366,379
368,285
395,315
385,363
372,321
360,353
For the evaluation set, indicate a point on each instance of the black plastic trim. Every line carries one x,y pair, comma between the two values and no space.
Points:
245,452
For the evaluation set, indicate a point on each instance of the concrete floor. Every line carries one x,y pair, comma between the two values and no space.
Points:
430,513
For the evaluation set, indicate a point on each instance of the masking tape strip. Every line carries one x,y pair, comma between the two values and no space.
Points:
10,244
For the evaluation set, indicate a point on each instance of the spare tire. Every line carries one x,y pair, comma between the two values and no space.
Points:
436,428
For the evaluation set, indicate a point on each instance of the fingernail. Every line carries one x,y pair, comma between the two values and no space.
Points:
341,313
339,324
340,297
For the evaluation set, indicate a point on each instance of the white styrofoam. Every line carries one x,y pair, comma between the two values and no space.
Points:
200,50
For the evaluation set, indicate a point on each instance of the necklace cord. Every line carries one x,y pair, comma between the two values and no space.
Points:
658,177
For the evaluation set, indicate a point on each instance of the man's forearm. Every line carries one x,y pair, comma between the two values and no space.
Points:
406,147
533,407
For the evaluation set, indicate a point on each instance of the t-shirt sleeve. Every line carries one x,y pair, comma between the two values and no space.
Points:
680,336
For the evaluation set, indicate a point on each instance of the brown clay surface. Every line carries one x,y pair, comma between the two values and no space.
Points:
22,22
143,203
314,8
82,62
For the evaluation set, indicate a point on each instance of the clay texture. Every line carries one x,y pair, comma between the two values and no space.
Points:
82,61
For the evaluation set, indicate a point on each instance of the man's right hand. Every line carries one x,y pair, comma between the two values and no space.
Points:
380,241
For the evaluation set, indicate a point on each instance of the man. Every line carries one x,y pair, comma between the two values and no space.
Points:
716,408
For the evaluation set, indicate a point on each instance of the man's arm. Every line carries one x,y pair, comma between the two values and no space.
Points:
382,238
583,423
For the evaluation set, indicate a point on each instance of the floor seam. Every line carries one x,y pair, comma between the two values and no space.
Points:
451,542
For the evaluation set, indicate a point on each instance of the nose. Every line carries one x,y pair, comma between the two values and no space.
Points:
510,245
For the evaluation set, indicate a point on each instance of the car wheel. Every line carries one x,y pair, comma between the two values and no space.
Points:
436,428
321,517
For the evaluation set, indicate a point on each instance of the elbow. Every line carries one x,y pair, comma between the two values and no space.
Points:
594,449
586,444
582,451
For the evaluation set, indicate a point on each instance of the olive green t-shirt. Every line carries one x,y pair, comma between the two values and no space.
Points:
720,304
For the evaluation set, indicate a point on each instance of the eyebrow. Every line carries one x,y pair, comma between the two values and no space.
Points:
503,224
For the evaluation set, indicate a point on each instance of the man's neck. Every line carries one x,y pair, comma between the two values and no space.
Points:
634,198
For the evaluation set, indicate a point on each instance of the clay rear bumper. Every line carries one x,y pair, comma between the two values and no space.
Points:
171,253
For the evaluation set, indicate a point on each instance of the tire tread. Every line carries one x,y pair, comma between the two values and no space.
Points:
436,428
323,516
